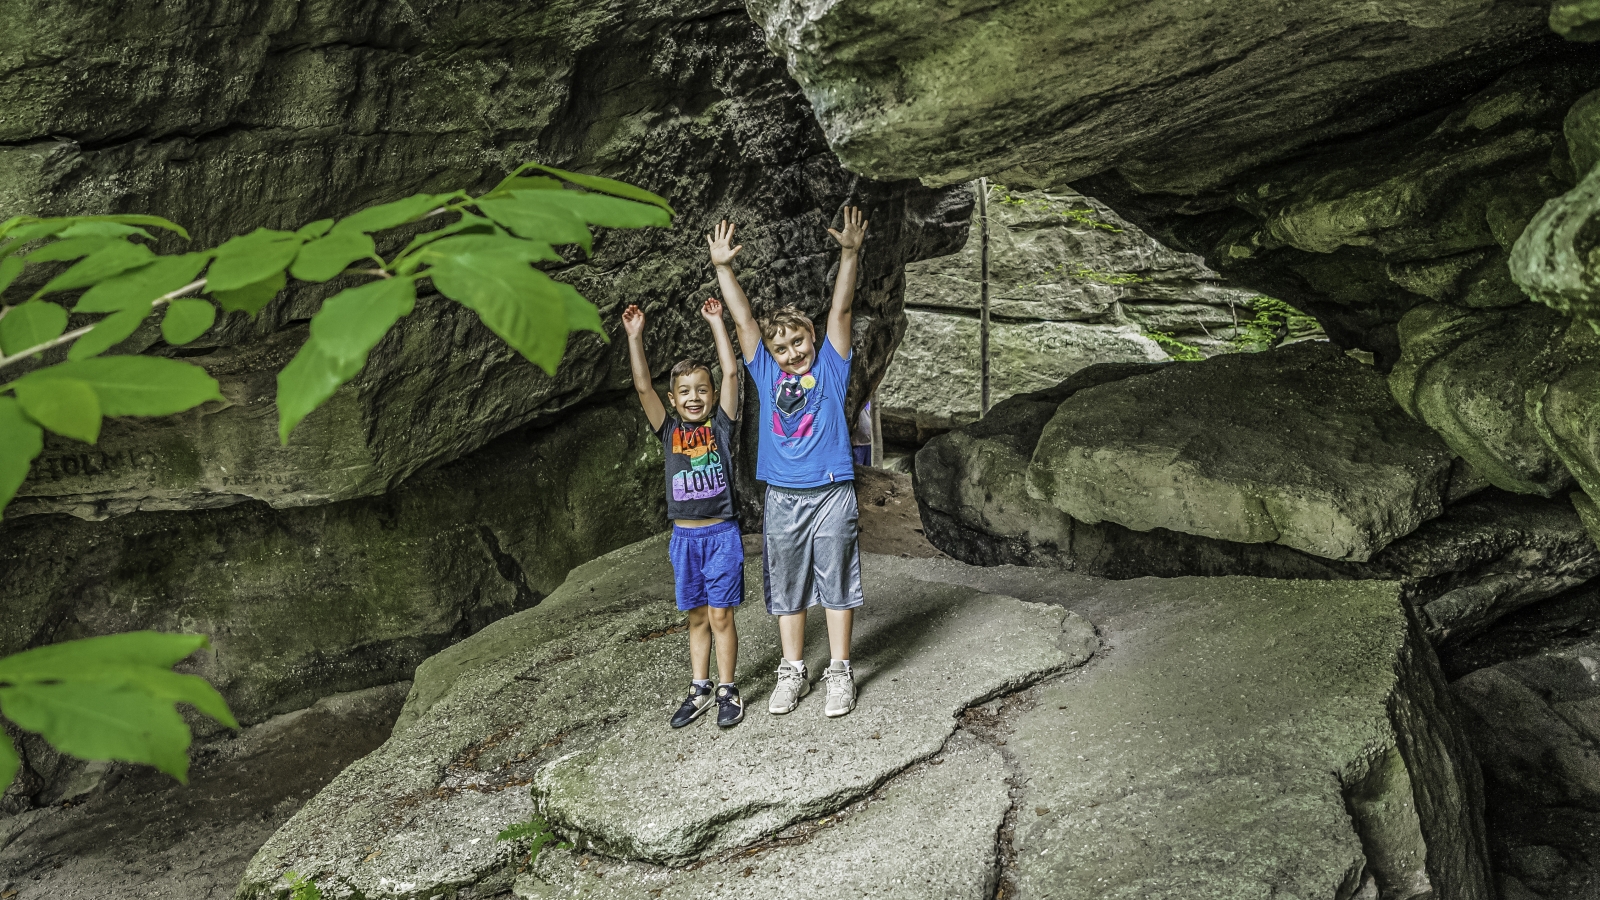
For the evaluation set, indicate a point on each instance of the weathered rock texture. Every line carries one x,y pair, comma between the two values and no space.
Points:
229,117
1175,765
1350,160
1070,284
1483,557
1301,447
300,603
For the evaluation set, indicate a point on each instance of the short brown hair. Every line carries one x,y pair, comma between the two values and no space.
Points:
785,317
684,367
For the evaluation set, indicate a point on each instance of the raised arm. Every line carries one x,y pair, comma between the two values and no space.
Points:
633,324
711,311
844,287
722,253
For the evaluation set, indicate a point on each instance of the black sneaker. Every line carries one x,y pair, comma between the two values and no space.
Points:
698,701
730,709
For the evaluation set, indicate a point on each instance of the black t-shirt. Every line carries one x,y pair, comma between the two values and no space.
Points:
699,466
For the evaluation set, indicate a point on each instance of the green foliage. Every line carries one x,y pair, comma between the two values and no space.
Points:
114,697
302,888
1270,323
110,697
1175,348
1082,215
1115,279
536,831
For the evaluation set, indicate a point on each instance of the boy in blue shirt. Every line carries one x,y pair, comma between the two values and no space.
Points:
810,554
707,552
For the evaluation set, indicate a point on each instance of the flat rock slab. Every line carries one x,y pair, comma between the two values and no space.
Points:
1301,446
1232,737
927,652
571,699
1239,737
931,834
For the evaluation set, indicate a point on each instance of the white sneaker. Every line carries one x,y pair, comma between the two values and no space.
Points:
841,691
792,685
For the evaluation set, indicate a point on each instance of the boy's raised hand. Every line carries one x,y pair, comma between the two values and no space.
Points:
633,321
721,240
711,310
855,229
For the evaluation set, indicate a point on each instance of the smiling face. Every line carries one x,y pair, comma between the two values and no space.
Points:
795,349
693,395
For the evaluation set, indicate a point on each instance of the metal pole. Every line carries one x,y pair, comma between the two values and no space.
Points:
983,297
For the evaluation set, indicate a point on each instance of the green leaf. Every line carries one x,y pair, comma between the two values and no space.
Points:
343,332
161,277
10,268
308,380
71,248
21,439
251,297
467,224
134,385
581,314
110,331
314,229
325,258
10,763
111,697
497,246
389,215
352,322
153,221
522,305
520,183
597,183
113,259
598,209
30,325
252,258
526,214
63,405
186,320
103,229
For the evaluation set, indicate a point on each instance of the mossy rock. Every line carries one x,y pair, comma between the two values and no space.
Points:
1466,373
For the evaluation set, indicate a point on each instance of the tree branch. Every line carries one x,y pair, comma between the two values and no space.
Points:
76,333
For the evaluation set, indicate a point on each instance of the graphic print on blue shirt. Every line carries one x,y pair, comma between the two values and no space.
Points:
795,399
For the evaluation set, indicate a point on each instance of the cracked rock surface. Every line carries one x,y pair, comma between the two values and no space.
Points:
1228,735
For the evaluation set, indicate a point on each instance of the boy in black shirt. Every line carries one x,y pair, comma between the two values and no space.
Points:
707,550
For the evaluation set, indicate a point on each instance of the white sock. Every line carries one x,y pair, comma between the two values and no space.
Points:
798,664
841,664
701,682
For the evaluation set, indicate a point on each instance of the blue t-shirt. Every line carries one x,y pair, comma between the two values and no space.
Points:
805,440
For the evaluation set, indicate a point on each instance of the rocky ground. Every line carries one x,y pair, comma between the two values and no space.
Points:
131,832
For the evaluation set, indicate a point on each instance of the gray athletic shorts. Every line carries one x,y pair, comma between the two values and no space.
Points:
810,553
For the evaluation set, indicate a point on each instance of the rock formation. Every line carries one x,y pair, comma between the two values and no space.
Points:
1070,284
233,118
1171,763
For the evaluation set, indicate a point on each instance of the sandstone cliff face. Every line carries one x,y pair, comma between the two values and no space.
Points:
229,116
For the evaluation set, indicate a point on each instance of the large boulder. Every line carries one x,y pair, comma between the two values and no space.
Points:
304,602
1302,446
1322,761
1071,283
1484,557
1467,374
225,118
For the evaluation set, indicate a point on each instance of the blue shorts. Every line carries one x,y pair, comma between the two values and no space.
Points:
708,565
